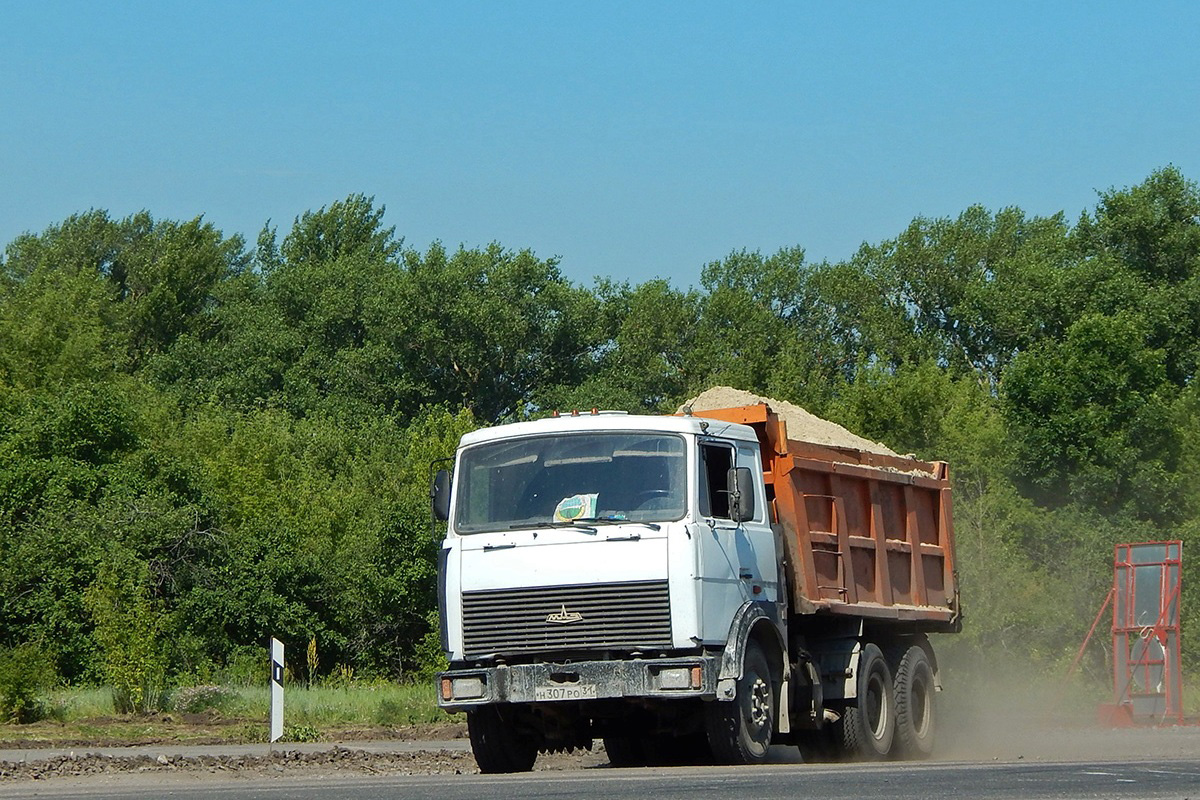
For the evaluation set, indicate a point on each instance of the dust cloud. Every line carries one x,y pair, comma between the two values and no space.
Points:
999,709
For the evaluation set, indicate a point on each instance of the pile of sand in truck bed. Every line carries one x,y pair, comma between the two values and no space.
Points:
801,425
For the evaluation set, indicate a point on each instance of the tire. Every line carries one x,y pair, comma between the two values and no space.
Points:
625,751
739,732
916,722
497,745
868,726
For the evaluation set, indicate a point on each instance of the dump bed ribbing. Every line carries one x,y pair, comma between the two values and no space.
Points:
864,534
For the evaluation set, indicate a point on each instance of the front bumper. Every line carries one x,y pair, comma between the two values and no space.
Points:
660,678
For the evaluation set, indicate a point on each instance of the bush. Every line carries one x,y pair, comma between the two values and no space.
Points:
190,659
25,672
301,733
247,666
428,656
342,677
129,626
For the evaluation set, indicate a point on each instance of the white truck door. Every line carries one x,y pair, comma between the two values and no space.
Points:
737,560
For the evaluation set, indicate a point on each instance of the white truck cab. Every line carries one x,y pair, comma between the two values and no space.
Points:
599,557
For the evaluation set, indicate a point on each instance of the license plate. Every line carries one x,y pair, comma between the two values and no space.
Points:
566,691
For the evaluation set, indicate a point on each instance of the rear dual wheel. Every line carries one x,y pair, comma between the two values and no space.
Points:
868,726
915,719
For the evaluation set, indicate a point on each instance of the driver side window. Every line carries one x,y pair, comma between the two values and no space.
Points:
715,462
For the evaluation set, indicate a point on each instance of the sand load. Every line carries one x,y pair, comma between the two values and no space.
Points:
801,425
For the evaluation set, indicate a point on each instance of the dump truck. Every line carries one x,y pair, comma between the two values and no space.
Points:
690,588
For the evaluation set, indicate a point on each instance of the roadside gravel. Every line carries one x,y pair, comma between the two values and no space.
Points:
326,760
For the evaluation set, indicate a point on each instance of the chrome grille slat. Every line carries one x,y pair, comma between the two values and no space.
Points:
615,615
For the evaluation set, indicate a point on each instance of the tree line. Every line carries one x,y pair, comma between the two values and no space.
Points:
204,441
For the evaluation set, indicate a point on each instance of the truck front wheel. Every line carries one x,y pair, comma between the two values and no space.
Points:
869,724
740,732
496,743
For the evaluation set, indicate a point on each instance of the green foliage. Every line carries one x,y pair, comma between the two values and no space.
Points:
203,445
975,290
128,628
301,733
138,283
245,666
749,314
429,658
493,327
26,673
57,329
1090,415
1148,239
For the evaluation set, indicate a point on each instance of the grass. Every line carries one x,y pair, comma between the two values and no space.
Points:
382,704
239,714
82,703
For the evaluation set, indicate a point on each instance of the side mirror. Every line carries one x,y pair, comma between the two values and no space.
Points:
439,494
740,482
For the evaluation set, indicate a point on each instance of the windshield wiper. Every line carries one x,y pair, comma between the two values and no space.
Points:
533,526
614,520
573,523
585,524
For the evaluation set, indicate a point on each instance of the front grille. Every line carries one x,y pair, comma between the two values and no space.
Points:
610,616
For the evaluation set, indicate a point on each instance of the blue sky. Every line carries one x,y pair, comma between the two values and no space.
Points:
633,140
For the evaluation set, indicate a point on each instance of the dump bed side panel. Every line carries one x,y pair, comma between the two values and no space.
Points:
864,534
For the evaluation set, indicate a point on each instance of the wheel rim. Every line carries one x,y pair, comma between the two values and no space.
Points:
760,704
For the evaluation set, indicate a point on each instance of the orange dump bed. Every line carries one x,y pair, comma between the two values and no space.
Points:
864,534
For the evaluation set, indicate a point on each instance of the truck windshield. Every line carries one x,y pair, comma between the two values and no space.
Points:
547,480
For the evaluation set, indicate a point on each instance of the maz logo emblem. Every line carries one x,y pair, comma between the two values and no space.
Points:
563,617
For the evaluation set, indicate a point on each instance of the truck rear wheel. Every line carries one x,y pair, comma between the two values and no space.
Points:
869,724
740,732
915,723
497,745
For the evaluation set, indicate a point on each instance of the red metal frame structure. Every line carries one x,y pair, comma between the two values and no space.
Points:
1146,680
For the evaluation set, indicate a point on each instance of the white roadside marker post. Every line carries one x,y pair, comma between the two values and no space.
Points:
276,689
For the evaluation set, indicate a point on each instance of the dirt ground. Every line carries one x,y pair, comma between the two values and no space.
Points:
198,729
342,758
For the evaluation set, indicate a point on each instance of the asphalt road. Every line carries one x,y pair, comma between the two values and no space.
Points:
1129,779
